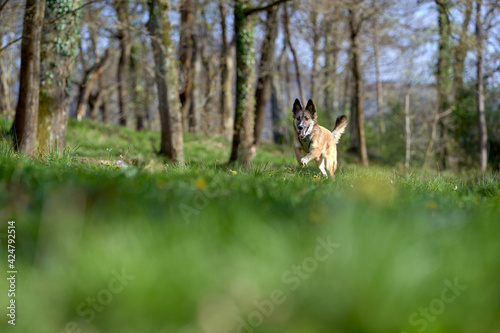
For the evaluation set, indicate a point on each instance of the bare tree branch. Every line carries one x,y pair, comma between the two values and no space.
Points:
492,72
10,43
3,5
260,9
85,5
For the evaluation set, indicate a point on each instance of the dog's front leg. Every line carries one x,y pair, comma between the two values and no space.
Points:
314,154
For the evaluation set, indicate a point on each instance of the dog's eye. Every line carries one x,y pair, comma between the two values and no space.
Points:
307,118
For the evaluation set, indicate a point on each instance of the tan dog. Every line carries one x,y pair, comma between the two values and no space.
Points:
314,142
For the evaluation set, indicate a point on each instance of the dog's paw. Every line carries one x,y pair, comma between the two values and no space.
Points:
303,161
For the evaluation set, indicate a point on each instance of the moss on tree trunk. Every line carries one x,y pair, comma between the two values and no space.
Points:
241,152
60,38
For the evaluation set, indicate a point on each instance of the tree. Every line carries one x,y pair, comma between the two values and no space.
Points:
24,127
380,93
444,74
245,61
166,81
483,133
89,80
226,77
407,131
314,20
138,99
444,84
5,95
186,48
96,66
242,147
8,61
461,49
288,38
121,7
278,110
355,23
266,68
60,40
331,52
278,113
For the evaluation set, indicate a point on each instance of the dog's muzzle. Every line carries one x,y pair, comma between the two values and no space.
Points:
302,130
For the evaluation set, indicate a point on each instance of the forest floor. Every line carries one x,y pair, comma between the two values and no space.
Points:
110,238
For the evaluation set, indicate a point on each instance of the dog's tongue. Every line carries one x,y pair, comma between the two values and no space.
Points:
302,133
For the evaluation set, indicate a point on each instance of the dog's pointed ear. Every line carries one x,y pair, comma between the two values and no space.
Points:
296,106
311,107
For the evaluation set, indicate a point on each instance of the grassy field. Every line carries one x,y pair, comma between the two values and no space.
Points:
145,246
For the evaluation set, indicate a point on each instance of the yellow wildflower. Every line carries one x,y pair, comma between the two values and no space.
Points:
201,183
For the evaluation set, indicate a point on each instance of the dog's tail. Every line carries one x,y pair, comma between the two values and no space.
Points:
339,129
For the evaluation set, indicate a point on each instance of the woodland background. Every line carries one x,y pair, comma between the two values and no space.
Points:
418,80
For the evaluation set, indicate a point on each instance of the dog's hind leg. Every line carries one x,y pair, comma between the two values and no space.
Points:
331,161
331,169
321,164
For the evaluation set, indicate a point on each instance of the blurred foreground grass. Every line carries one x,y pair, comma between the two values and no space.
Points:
201,248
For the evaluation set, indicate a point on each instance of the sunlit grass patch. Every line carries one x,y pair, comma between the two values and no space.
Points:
208,245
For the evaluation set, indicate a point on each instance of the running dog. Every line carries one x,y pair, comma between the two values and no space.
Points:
314,142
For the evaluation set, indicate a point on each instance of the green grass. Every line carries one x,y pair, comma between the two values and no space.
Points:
209,248
104,141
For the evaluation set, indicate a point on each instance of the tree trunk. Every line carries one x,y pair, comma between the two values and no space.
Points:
99,103
204,94
244,116
279,94
266,69
483,133
5,96
443,144
350,105
444,86
194,112
277,107
315,56
60,41
102,98
8,56
90,78
461,49
166,81
444,75
24,127
186,50
227,73
407,131
136,86
380,93
331,51
330,79
294,53
285,64
357,86
121,7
